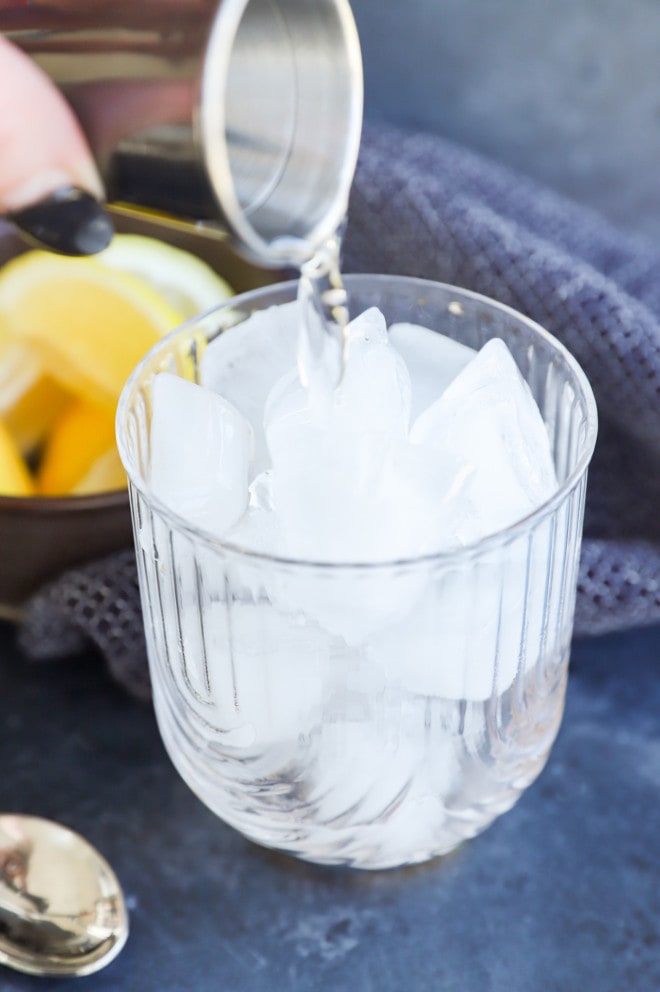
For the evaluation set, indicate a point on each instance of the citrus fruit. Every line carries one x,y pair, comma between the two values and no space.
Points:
71,332
105,474
31,417
183,280
87,324
15,478
19,369
80,455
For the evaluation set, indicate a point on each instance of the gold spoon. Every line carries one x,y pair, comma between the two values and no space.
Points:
62,911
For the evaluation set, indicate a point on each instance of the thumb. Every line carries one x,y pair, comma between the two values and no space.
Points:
49,184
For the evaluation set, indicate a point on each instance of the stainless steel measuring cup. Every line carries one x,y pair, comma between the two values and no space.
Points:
242,116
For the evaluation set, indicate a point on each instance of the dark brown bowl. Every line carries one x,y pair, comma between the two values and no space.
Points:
43,536
40,537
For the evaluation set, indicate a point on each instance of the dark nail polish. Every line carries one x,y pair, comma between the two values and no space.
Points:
69,221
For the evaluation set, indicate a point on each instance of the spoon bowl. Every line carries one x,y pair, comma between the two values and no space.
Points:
62,910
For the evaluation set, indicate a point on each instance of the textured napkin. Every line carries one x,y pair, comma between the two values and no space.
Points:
424,207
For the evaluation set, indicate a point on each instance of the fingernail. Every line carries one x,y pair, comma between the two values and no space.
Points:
68,221
45,182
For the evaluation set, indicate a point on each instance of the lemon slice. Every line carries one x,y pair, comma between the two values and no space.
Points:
15,479
87,324
105,474
29,400
81,437
32,416
19,370
183,280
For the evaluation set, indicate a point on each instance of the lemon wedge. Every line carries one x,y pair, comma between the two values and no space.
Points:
87,324
31,417
183,280
80,455
15,478
105,474
20,370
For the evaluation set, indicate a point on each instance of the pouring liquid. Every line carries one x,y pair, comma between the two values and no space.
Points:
324,314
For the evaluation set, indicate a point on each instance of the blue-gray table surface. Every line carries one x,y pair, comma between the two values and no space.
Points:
560,895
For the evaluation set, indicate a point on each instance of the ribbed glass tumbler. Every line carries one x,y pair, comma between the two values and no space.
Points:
372,715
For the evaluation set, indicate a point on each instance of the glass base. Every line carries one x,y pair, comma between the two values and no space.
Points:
384,793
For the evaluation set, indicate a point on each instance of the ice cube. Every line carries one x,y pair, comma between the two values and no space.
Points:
263,682
448,645
358,772
419,499
369,498
410,509
259,528
266,670
200,454
374,393
488,419
278,671
348,487
244,361
327,456
474,627
432,359
321,488
419,824
383,763
372,396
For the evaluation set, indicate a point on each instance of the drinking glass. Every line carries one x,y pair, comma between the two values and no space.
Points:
371,715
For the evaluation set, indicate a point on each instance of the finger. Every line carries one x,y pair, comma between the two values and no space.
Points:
49,185
42,148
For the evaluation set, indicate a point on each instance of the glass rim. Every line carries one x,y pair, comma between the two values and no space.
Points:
450,556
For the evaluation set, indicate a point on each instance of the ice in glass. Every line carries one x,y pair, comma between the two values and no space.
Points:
358,592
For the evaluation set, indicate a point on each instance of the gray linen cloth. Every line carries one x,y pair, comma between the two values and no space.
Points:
424,207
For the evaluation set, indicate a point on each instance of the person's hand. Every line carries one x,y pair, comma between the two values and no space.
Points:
49,185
